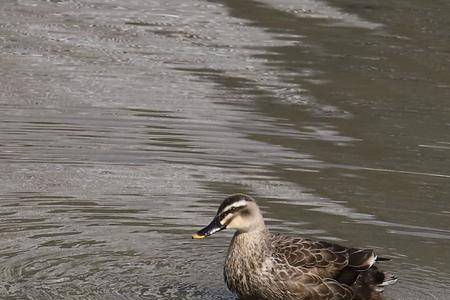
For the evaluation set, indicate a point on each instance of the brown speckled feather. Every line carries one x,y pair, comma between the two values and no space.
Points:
292,268
318,257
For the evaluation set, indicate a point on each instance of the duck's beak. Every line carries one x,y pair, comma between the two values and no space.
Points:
212,228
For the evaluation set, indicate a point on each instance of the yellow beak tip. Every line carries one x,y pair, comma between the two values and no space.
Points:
197,236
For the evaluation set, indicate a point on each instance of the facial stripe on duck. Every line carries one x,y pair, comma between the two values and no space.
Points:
226,216
234,200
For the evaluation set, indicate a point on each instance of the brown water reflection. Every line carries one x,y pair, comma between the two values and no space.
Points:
123,124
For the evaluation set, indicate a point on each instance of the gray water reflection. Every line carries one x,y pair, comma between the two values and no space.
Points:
123,124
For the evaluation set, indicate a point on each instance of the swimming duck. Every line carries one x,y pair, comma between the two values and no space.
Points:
266,266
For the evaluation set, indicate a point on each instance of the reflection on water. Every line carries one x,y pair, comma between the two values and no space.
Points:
123,125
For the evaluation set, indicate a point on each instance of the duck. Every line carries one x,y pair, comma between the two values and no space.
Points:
261,265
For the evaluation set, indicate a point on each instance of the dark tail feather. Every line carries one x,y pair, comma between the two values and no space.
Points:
371,283
383,258
388,279
348,276
361,259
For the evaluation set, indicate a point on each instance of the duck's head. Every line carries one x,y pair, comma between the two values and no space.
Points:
238,212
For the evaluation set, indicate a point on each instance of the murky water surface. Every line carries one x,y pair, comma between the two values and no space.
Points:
123,124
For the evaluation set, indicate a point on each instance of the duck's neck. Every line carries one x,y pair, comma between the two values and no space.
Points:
250,243
246,256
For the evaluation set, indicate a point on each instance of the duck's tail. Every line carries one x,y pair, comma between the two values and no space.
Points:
387,279
371,283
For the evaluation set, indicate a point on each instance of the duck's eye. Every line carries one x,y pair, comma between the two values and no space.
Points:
245,212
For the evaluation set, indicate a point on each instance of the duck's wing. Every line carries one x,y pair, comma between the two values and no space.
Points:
324,259
304,285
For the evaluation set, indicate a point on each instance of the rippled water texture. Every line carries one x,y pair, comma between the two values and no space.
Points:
123,124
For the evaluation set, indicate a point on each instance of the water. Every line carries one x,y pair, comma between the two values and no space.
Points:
123,124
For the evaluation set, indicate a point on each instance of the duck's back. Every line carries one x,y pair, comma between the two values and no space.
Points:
344,273
313,267
272,266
